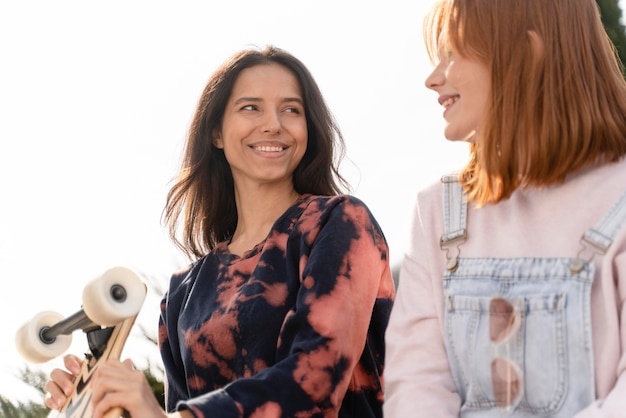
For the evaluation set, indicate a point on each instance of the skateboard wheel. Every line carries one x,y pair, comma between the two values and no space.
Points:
114,296
31,343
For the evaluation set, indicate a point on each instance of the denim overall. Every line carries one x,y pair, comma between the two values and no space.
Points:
552,348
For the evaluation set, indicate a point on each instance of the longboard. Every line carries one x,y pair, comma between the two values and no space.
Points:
111,303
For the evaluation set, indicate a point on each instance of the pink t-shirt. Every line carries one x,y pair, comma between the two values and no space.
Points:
533,222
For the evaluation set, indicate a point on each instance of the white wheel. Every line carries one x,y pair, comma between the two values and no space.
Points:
114,296
31,344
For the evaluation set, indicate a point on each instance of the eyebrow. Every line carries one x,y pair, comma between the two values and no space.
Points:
257,99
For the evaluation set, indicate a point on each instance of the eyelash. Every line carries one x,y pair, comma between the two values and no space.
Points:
253,107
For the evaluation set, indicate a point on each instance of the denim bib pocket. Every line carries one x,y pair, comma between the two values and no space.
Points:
540,340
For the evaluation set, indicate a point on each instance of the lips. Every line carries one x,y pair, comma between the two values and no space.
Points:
447,101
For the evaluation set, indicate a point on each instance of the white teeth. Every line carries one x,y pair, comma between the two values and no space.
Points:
268,148
448,102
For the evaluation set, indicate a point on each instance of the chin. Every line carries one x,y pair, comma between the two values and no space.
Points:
455,137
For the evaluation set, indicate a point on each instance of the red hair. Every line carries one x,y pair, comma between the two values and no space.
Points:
558,97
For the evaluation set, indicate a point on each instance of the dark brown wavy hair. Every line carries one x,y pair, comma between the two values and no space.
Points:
558,98
200,210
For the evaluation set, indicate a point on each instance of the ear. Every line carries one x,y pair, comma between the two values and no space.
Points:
536,46
216,140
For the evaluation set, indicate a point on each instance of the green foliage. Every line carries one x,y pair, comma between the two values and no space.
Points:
22,410
156,383
611,18
37,379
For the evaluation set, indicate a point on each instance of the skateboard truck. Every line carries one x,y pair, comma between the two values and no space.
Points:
97,337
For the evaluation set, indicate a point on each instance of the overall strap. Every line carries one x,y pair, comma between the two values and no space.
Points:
599,238
454,218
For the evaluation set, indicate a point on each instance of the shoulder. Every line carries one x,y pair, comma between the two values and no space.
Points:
592,192
341,214
428,201
181,274
347,206
186,276
329,202
587,194
426,224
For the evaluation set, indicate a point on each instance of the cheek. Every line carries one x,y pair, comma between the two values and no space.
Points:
468,75
299,131
480,94
461,80
302,144
304,136
455,75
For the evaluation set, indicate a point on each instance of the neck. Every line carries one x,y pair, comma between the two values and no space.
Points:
257,211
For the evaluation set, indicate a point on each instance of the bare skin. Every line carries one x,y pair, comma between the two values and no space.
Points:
114,384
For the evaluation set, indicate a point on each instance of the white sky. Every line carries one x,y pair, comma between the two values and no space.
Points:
95,100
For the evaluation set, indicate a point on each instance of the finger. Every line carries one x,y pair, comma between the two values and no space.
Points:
55,398
58,388
55,401
72,363
116,385
61,381
109,401
112,368
129,364
111,376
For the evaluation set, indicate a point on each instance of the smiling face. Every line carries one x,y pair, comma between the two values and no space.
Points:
264,129
463,85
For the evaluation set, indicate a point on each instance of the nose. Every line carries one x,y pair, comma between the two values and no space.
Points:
271,122
437,77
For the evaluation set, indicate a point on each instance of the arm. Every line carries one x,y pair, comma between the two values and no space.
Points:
614,403
417,375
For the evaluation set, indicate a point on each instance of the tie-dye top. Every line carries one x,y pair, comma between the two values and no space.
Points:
293,328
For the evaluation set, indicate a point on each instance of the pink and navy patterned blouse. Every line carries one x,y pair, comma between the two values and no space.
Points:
293,328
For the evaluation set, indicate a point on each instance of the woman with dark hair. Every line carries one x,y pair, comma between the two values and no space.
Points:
283,310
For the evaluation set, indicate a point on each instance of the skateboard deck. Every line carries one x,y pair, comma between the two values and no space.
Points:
111,303
79,404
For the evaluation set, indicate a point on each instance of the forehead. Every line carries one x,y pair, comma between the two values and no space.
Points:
264,79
